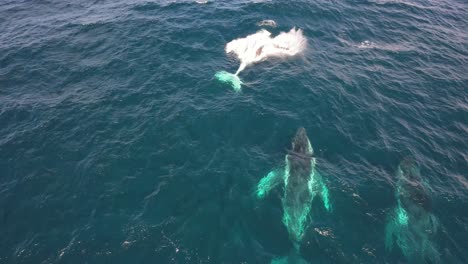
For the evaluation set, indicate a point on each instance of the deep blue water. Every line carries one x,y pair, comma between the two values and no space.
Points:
117,145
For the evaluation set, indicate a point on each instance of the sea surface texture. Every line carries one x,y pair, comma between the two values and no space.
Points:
119,145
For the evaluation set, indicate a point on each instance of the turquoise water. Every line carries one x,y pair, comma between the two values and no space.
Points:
118,145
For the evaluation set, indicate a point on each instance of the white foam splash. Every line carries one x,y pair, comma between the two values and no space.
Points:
267,22
366,44
260,46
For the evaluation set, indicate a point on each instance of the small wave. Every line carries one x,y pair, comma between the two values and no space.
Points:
260,46
387,47
267,22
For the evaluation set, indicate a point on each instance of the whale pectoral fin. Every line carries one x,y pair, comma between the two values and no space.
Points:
267,183
322,189
325,196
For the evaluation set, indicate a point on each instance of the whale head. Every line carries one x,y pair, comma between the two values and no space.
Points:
413,193
301,155
409,170
301,144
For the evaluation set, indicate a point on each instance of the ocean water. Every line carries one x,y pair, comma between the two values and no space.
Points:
118,145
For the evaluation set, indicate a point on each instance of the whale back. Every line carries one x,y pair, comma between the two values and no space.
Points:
412,192
297,194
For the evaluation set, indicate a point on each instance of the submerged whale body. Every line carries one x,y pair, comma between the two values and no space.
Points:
411,225
232,79
412,191
301,184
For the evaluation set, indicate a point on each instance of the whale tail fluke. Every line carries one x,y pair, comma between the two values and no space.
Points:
294,257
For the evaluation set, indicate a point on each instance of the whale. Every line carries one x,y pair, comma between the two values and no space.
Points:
411,225
301,184
259,47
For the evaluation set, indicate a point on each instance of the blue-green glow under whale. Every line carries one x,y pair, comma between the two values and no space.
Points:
229,78
302,183
411,225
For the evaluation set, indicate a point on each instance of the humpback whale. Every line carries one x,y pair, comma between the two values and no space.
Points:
411,225
302,183
259,47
